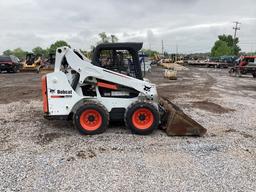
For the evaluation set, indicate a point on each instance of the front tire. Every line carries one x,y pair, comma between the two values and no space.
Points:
142,118
91,118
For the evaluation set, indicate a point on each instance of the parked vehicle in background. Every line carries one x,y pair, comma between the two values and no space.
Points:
145,62
32,63
230,60
244,65
216,62
9,64
47,65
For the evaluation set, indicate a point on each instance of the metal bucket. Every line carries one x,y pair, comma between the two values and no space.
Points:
176,123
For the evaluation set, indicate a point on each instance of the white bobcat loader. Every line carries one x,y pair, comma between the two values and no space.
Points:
109,88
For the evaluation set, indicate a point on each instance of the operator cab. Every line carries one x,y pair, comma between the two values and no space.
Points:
30,58
119,57
245,60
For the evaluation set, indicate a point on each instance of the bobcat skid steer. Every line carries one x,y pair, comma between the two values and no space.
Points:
109,88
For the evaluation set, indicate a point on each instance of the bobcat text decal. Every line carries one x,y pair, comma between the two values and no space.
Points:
61,93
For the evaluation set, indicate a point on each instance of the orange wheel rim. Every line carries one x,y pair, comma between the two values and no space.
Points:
142,118
90,120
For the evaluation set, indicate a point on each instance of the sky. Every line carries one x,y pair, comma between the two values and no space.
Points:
186,26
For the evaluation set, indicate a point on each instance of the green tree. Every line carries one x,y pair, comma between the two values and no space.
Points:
230,42
7,52
57,44
87,54
114,39
150,52
48,51
18,52
103,38
221,48
39,51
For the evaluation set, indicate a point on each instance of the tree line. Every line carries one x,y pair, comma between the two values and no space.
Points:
225,45
39,51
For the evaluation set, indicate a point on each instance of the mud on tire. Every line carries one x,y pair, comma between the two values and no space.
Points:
142,118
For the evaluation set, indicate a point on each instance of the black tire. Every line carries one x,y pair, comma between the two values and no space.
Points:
91,114
38,69
147,113
14,69
254,74
231,72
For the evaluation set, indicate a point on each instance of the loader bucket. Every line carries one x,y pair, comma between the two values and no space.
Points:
176,123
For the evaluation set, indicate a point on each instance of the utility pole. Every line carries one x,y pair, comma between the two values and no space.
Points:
176,55
163,47
112,38
236,28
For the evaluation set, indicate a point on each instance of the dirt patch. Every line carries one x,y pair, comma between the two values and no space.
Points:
3,121
71,159
19,86
248,88
117,149
5,145
86,154
211,107
244,134
44,139
231,131
12,94
187,85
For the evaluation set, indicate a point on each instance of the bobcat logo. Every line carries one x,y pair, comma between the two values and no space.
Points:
147,88
52,91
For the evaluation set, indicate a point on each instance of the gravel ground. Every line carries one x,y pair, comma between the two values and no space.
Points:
42,155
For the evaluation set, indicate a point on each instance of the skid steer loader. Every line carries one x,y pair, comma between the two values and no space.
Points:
47,65
31,63
110,88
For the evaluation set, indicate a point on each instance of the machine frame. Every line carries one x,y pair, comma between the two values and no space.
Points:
61,95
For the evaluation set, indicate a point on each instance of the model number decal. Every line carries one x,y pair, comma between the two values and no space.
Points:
60,96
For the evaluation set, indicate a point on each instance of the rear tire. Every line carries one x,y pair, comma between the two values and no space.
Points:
91,118
254,75
142,118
